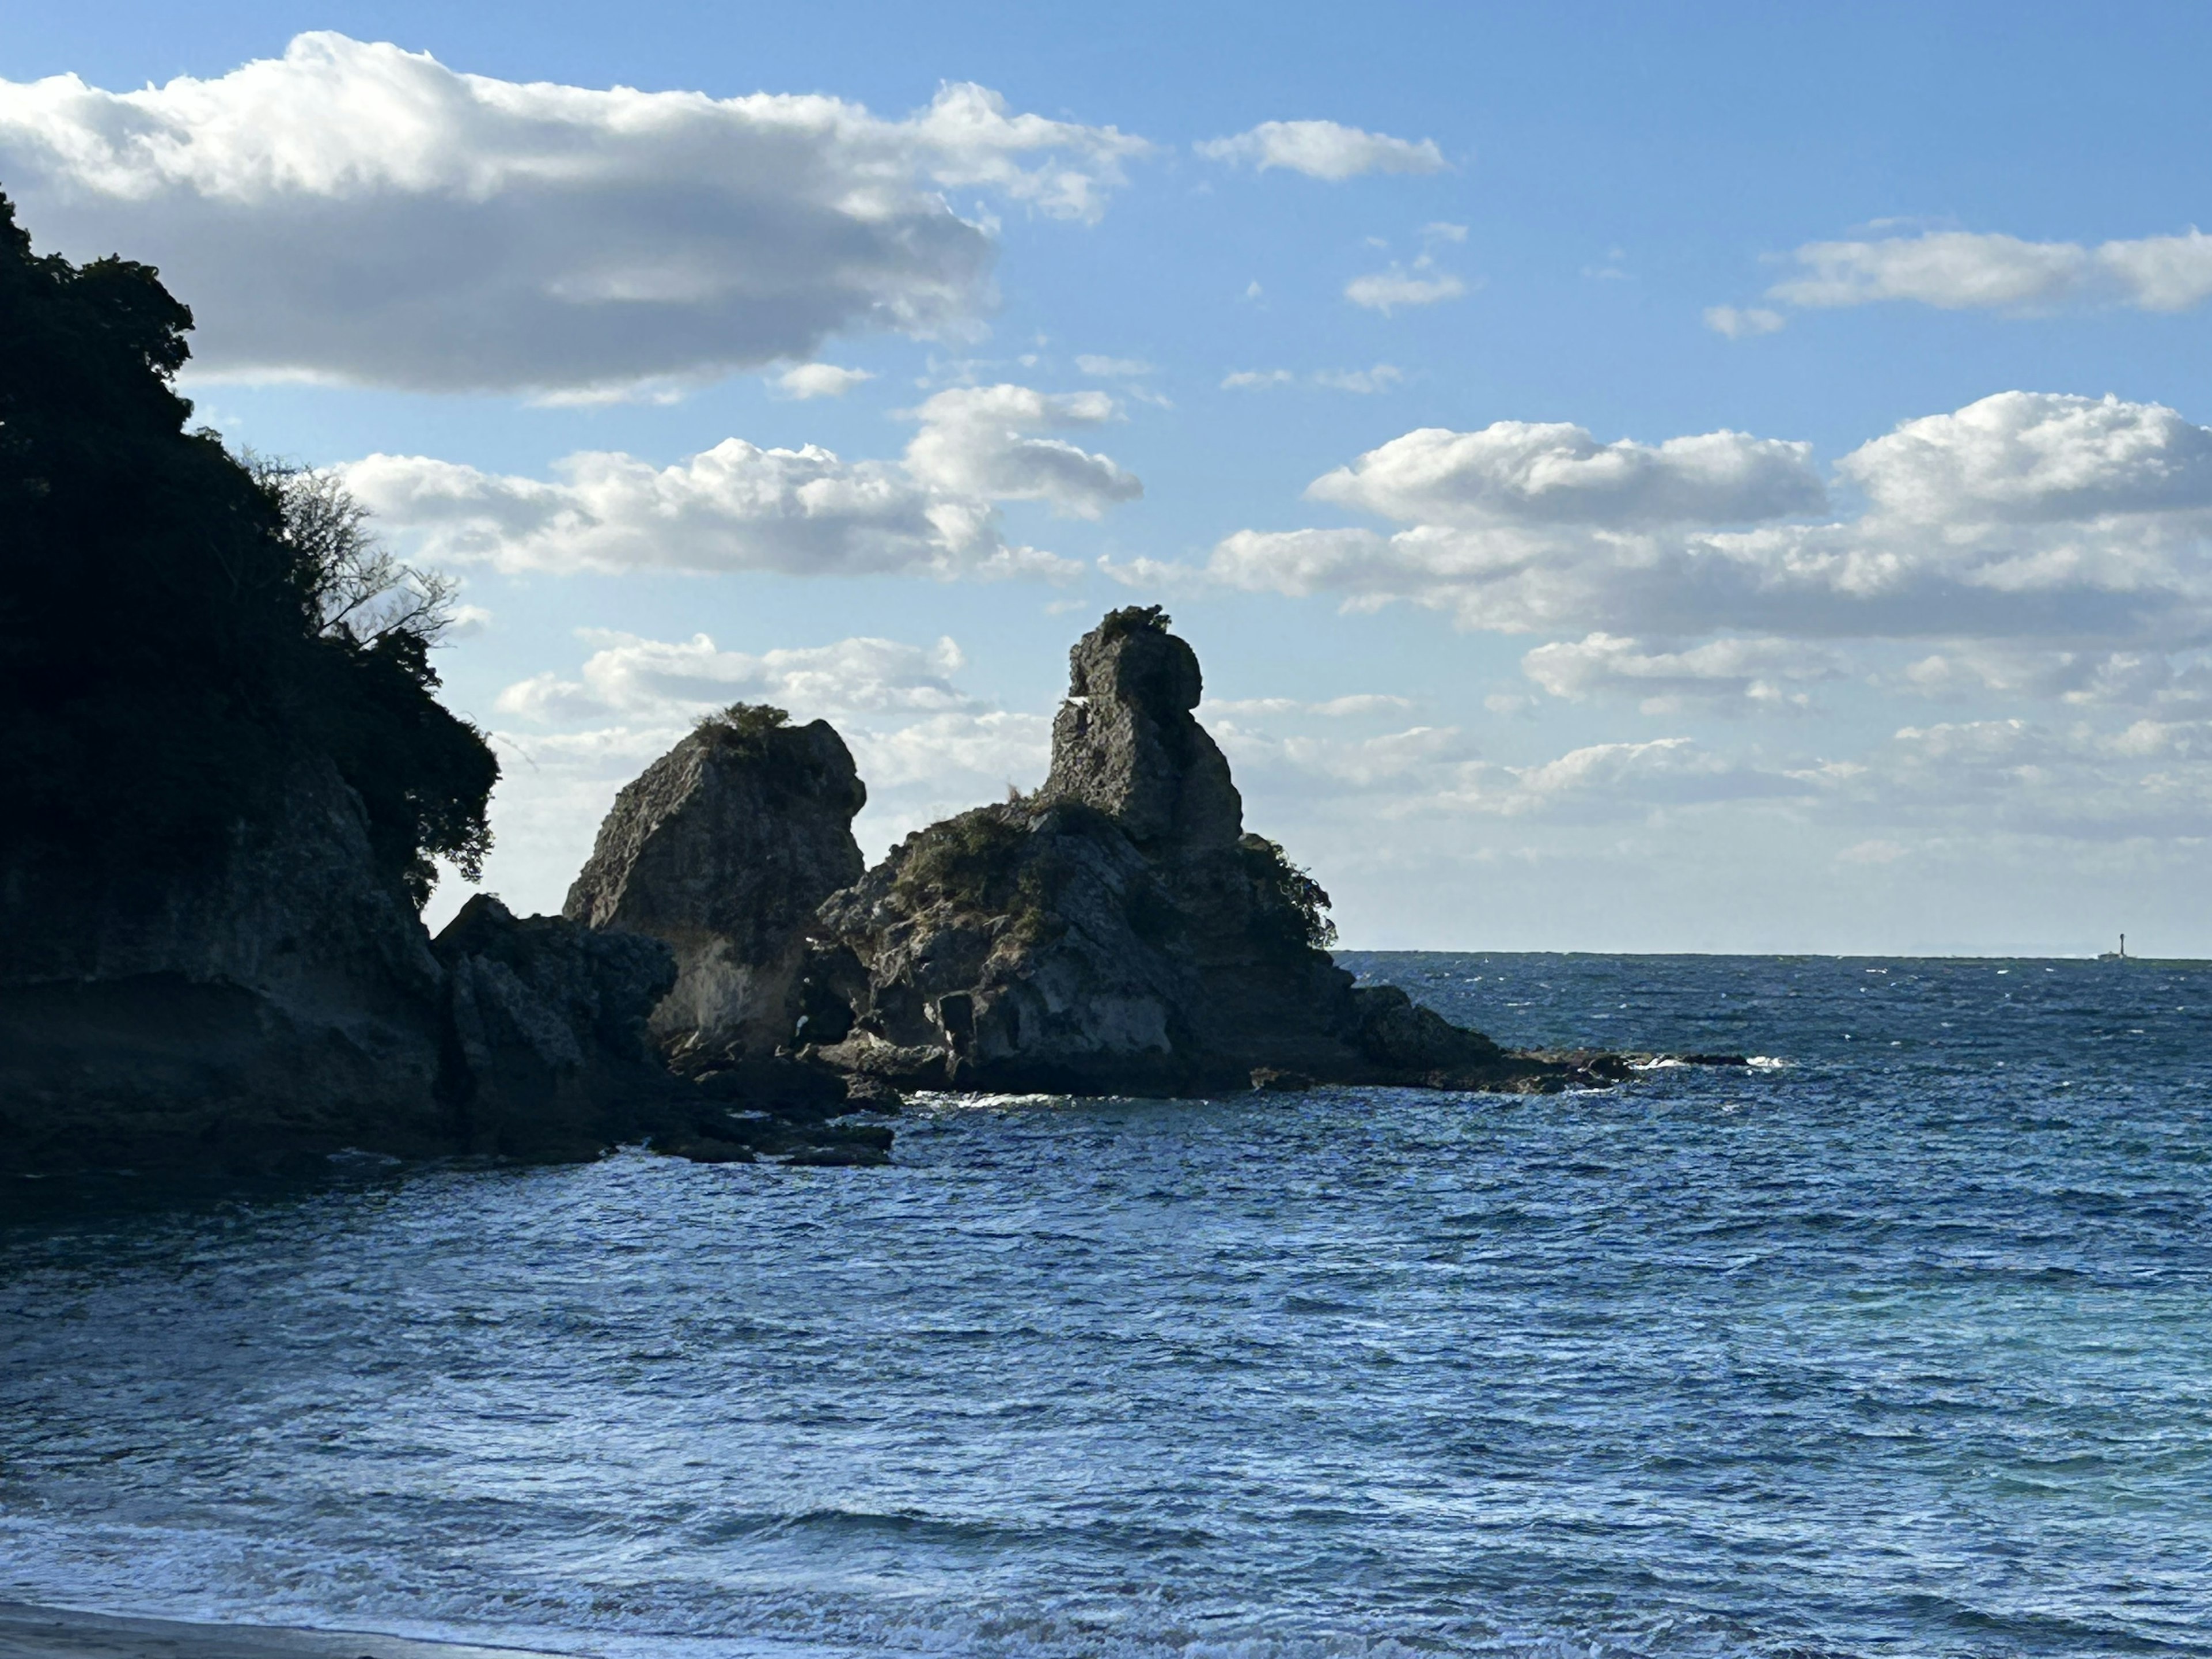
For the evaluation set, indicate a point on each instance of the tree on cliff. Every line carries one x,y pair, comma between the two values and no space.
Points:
169,655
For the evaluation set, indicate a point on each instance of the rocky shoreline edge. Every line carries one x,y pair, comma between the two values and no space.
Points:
727,981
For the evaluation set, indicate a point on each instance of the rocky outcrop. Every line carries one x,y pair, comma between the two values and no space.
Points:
279,1000
1117,932
544,1050
723,849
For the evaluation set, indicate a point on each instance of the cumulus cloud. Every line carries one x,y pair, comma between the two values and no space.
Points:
1387,290
1323,149
956,759
1742,325
735,507
1958,270
354,212
820,381
1518,471
664,682
2068,521
738,507
980,440
1719,676
2031,458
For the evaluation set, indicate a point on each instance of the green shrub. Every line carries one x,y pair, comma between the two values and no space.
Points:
1134,619
743,725
1293,905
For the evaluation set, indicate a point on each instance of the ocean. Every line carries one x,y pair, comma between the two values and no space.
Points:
1899,1342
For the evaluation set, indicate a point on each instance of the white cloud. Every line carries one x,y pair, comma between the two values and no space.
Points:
737,507
1958,270
820,381
1381,378
1254,380
977,441
2071,523
1114,368
1324,149
666,682
1519,471
1356,703
2172,682
961,758
1387,290
1419,761
1717,676
1742,325
2021,457
1618,779
355,212
2151,778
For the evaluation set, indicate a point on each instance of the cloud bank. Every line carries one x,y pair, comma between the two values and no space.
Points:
358,213
2068,522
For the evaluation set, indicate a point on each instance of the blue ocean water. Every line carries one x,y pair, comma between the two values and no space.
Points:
1900,1344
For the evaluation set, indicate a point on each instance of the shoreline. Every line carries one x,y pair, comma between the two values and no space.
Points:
29,1630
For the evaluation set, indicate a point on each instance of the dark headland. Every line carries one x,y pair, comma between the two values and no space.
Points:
230,783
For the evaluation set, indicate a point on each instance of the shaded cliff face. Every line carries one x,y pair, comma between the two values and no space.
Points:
1116,931
280,999
723,848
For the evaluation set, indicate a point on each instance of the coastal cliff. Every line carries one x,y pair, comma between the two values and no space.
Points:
229,788
280,998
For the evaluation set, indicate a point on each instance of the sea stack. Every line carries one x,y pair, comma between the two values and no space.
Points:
723,848
1117,932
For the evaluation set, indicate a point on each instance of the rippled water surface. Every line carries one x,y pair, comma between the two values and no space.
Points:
1901,1346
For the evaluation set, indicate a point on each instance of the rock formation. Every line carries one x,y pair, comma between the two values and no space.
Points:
543,1046
282,999
1118,931
723,848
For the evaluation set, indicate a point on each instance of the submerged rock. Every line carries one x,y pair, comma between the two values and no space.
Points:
723,848
1117,932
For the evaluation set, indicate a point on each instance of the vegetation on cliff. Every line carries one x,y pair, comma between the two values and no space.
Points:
180,629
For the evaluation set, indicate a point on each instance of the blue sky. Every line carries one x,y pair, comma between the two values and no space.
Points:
1715,477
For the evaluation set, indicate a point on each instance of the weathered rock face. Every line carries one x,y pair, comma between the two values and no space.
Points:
280,994
544,1050
281,1000
723,848
1125,741
1118,931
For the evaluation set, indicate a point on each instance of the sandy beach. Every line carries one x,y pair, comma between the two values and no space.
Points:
36,1633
